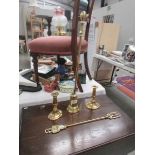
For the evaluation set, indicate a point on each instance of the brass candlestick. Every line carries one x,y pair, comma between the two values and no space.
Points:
92,104
73,106
55,113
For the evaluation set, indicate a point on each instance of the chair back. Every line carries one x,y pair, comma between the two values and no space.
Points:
74,31
74,34
89,11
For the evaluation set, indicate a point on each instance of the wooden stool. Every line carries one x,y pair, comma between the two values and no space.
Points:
63,45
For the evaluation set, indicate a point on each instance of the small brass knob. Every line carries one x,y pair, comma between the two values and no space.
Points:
83,16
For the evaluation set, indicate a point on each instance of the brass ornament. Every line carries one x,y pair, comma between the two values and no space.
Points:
55,113
84,16
92,104
57,128
60,31
83,21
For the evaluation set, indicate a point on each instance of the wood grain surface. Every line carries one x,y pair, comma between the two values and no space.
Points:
73,140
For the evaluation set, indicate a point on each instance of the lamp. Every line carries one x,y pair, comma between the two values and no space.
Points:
33,4
59,21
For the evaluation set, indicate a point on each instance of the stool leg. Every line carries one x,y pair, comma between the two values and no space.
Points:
35,65
86,66
58,57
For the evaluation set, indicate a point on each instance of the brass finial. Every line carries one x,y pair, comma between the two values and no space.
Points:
84,16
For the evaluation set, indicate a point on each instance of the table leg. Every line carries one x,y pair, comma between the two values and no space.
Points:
35,66
112,74
98,66
99,63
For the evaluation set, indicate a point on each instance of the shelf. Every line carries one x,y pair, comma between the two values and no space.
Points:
115,63
36,27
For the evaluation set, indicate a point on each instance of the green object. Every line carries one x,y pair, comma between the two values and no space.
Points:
82,77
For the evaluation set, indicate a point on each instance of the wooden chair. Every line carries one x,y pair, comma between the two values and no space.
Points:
63,45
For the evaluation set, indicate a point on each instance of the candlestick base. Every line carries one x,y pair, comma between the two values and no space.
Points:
73,109
54,115
92,105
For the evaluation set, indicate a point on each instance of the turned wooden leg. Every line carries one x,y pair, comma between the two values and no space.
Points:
86,66
58,57
112,75
49,19
35,66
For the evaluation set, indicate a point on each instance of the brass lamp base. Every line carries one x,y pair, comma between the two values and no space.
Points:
92,105
54,115
73,109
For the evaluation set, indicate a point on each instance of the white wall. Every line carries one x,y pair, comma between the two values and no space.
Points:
110,2
21,20
124,12
97,4
124,15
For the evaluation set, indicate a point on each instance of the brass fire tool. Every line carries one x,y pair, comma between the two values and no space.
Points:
92,104
55,113
73,106
58,128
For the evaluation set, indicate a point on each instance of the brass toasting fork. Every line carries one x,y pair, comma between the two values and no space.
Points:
58,128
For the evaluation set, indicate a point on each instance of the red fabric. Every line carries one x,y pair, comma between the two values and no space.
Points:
127,91
54,45
51,87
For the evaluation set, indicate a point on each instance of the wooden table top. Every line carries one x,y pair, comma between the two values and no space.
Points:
73,140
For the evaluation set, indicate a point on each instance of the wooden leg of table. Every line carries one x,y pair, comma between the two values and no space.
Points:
35,66
99,63
58,57
112,74
86,66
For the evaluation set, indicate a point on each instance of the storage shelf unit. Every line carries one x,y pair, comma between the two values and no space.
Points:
36,27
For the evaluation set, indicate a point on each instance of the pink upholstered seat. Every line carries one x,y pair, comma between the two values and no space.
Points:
55,45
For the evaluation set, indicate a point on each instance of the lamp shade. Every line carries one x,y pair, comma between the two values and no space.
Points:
33,3
59,19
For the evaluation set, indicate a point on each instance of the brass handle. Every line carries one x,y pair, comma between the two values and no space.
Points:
58,128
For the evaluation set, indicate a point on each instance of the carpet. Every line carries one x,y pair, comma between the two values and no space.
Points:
126,84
